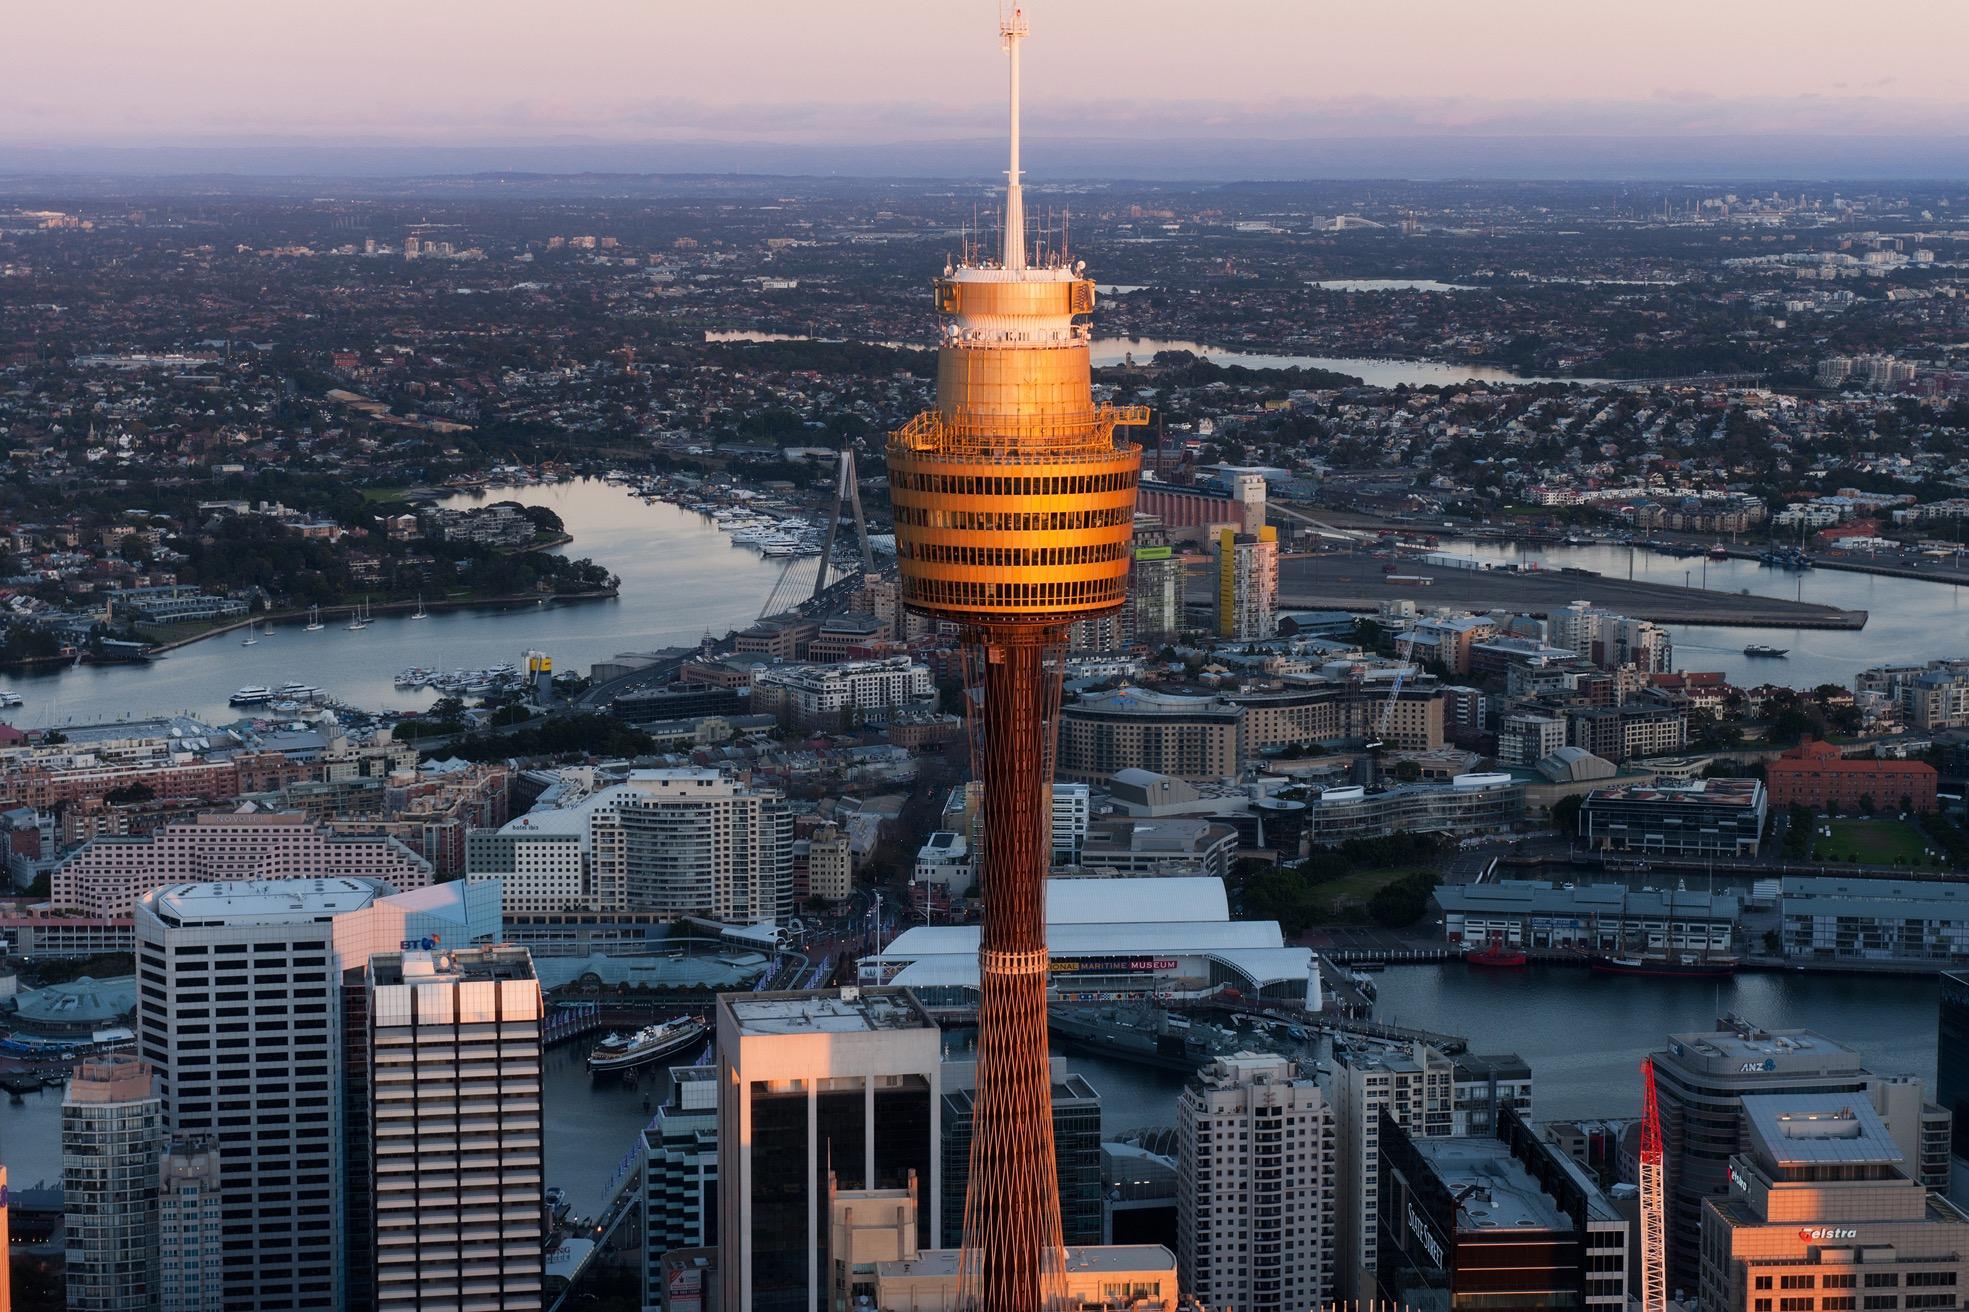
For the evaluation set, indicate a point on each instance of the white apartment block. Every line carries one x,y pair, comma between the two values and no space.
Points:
107,875
1525,740
191,1227
455,1129
841,695
679,841
1255,1218
1417,1089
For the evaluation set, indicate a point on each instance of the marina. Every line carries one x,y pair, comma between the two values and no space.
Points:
680,578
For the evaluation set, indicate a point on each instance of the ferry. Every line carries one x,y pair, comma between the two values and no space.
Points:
620,1052
1684,965
297,691
1760,649
252,694
9,698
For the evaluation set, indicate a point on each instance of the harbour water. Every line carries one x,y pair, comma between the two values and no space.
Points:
1907,619
1390,285
1375,371
680,577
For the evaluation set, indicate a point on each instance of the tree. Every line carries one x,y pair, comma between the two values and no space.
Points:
1565,814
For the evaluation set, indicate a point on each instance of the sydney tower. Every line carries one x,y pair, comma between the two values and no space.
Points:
1014,511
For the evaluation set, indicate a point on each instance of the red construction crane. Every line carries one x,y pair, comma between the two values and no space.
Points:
1654,1217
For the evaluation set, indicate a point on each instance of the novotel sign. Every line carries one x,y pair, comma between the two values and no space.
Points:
1814,1234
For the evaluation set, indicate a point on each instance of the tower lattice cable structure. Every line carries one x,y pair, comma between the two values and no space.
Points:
1014,512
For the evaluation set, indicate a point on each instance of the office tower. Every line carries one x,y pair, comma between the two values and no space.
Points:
455,1129
1701,1081
1076,1149
1014,515
1156,596
814,1088
680,1174
1504,1221
111,1137
1824,1212
1952,1060
681,841
271,954
1247,584
6,1253
1255,1187
190,1227
108,875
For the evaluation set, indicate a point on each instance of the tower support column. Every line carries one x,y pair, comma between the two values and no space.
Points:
1013,1258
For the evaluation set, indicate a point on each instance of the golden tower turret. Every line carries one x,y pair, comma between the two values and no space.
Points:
1014,512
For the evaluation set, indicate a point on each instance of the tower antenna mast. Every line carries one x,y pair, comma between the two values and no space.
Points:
1012,29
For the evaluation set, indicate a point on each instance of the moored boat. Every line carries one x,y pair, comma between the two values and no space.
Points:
622,1052
1686,965
1496,956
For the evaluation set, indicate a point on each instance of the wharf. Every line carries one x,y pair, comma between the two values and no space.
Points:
1359,582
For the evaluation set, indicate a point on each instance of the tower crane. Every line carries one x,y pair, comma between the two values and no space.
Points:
1407,649
1654,1217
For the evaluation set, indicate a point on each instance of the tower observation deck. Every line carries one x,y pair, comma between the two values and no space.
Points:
1014,514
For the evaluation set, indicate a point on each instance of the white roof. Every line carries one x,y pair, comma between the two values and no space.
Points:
274,901
1145,937
1142,901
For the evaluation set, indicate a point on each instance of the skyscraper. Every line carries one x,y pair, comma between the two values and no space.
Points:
1014,516
1255,1187
1702,1080
812,1087
1952,1059
1076,1149
6,1270
220,958
111,1138
680,1174
455,1129
190,1228
1156,596
1247,584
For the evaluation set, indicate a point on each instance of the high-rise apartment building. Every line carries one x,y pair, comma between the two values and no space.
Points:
680,1175
108,875
1155,596
111,1137
1417,1089
242,1019
190,1228
1255,1162
1702,1081
819,1095
1247,584
1076,1149
679,841
830,864
455,1129
1823,1212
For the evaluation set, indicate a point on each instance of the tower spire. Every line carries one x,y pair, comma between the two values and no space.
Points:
1012,28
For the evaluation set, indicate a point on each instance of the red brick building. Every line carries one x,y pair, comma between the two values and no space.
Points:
1814,774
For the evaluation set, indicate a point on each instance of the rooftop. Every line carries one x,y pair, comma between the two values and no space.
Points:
941,1263
1739,1048
1705,792
848,1011
1494,1189
1810,1129
268,901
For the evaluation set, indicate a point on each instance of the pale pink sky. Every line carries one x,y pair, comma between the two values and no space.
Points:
496,71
